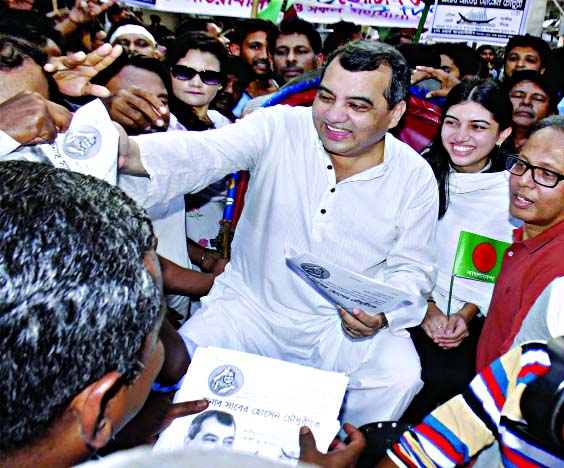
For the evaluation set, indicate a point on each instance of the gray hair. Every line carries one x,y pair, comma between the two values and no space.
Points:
76,299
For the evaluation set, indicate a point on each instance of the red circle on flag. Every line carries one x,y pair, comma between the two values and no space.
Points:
484,257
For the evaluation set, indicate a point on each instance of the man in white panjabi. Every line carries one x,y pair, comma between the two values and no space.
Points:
336,185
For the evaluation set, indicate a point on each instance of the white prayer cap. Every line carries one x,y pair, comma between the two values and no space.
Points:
132,29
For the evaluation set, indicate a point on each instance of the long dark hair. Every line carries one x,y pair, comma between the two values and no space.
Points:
489,94
204,43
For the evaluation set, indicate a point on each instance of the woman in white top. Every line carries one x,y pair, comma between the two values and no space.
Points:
197,63
474,196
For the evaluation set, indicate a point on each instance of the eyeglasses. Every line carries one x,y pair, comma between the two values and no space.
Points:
541,175
183,73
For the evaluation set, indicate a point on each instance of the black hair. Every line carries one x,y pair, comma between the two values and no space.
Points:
489,94
248,26
536,77
77,301
204,43
222,416
465,58
371,55
533,42
135,60
294,25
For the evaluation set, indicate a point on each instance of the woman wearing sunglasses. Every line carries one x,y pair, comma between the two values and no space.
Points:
474,196
196,68
196,60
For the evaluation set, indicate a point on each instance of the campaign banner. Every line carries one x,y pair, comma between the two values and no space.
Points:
491,21
233,8
389,13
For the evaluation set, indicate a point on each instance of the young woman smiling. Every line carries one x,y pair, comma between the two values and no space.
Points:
474,196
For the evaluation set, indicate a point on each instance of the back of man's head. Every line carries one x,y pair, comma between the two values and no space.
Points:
76,299
370,55
291,26
556,122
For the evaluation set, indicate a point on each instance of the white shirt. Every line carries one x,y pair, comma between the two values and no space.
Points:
7,144
380,222
478,203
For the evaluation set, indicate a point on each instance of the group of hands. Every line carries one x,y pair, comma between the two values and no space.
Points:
30,118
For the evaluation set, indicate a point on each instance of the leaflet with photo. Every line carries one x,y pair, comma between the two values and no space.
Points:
89,146
346,288
257,405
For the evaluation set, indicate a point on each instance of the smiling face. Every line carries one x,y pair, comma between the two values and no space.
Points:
195,92
294,56
539,207
351,114
530,103
469,134
253,50
522,58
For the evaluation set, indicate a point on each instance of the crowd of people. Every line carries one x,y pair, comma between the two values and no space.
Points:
381,156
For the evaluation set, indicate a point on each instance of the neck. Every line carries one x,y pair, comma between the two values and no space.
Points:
261,86
348,166
64,450
202,112
520,136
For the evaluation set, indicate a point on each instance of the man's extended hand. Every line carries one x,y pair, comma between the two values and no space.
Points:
359,324
341,455
138,110
30,118
74,72
156,415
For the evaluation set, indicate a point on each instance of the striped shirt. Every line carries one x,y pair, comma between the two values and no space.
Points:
490,409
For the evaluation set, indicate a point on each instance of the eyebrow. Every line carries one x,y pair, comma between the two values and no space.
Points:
545,164
473,121
354,98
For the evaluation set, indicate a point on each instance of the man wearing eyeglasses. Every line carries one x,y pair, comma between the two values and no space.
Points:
535,258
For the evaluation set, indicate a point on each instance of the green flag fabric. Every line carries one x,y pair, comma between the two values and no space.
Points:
478,257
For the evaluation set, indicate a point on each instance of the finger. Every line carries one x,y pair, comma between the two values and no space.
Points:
308,447
96,91
140,109
103,56
61,116
125,120
357,439
437,93
72,60
152,99
186,408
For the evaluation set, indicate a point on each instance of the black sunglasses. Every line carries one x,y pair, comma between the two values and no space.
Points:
184,73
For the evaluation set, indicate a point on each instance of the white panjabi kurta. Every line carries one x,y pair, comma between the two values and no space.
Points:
380,223
478,203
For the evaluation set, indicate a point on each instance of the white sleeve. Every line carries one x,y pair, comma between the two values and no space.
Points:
555,309
186,162
7,144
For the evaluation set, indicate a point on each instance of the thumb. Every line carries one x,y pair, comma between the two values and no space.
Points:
308,446
185,408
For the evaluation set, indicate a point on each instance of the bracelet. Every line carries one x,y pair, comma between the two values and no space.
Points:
431,300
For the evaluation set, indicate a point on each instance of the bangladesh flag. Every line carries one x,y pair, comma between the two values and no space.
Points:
478,257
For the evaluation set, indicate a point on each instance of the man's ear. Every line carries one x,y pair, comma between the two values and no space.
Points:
90,407
234,49
319,60
396,114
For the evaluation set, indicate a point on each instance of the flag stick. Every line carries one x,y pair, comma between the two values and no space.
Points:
450,295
